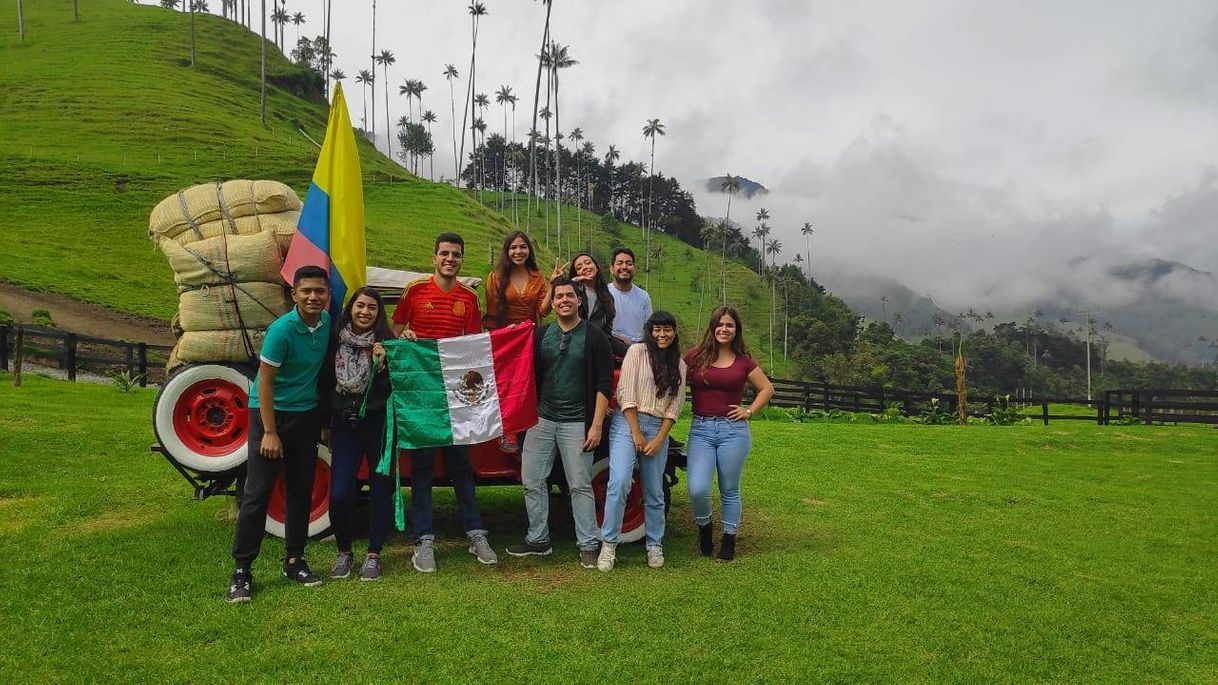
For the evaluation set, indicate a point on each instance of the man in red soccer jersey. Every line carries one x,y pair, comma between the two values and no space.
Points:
442,307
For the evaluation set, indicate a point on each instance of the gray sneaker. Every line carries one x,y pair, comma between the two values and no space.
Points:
481,548
371,570
655,557
342,565
587,557
424,557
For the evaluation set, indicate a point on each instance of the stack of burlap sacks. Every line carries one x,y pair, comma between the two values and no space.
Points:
226,243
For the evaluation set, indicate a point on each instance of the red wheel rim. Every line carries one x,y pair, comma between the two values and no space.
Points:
319,501
634,515
211,417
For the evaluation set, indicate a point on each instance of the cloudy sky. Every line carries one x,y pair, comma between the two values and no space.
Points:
972,150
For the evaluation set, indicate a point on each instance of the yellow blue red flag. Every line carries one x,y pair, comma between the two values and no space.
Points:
330,233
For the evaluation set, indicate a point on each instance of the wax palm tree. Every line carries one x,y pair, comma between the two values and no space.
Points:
481,101
577,136
192,33
262,77
807,233
708,233
611,157
297,20
450,73
476,11
338,74
430,117
541,58
651,130
386,60
373,70
365,78
502,97
280,18
773,248
730,185
560,58
763,232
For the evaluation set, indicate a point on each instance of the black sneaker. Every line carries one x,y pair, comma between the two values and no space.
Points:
527,548
299,571
240,589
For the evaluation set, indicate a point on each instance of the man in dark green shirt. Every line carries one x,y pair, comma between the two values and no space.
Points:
573,365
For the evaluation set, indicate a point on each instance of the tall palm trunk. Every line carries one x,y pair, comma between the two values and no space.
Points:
545,39
329,46
503,180
365,122
373,84
388,130
727,228
558,165
192,34
20,21
262,92
515,172
647,224
452,108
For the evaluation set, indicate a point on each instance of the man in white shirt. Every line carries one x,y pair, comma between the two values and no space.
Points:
632,303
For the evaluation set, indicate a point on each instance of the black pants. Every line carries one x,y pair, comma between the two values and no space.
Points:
299,432
348,449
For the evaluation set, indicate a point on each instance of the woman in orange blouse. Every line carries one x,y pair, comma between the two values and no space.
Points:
516,290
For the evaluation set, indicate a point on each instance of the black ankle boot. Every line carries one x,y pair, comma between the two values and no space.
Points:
727,548
706,539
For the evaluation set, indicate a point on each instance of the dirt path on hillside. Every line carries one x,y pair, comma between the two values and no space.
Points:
85,319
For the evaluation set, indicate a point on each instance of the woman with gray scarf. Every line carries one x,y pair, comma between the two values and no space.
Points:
356,384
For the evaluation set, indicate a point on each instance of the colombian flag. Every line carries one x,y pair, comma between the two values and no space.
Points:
330,233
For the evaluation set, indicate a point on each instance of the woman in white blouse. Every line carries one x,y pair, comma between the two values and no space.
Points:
650,392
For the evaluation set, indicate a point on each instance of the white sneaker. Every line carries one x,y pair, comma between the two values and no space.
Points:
655,557
608,555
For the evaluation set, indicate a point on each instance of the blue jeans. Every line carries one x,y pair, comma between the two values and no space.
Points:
348,448
717,443
458,470
537,460
622,457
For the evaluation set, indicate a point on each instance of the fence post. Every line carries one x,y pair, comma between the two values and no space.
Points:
1149,406
69,359
1044,411
826,391
143,360
4,331
129,357
17,357
907,404
881,399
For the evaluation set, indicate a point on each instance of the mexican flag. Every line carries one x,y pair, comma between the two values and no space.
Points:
460,391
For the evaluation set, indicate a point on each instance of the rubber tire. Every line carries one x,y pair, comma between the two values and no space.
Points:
163,417
319,528
639,531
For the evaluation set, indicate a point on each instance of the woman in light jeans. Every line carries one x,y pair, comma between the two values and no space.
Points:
719,438
650,392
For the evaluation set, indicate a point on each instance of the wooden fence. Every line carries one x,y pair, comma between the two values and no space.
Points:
1148,405
74,353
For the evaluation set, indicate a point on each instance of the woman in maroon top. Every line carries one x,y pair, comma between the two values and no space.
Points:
719,438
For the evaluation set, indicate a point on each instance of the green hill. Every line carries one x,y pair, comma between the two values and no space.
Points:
103,118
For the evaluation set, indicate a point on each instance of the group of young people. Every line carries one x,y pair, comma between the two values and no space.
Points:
326,381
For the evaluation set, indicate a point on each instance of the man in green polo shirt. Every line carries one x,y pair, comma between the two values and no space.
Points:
284,428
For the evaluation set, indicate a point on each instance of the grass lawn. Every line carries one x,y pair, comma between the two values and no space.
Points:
869,553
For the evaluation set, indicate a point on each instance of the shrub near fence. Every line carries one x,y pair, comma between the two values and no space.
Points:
73,352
